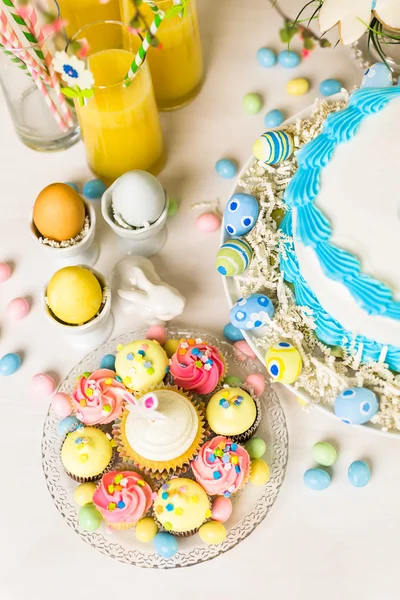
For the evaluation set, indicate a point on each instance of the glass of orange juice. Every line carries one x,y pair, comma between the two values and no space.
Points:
120,124
78,13
177,65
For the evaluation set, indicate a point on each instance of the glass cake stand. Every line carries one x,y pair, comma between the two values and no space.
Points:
251,505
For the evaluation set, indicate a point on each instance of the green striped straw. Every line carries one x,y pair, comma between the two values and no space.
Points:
24,29
20,63
141,55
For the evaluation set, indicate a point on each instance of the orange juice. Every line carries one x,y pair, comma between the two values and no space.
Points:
79,13
120,125
176,67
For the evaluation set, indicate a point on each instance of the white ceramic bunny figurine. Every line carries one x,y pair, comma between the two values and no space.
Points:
140,289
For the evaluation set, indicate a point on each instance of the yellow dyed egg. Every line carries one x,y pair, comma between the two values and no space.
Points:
59,212
283,362
259,472
298,86
171,347
84,493
212,532
74,295
146,530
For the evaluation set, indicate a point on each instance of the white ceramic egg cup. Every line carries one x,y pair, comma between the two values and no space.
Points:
145,241
89,335
84,252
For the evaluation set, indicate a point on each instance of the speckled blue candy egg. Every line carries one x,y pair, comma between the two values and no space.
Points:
226,168
274,118
317,479
108,362
68,424
9,364
356,406
165,544
252,312
328,87
266,57
359,473
94,188
241,214
232,333
288,59
377,76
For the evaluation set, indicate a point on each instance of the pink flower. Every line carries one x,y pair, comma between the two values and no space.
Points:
84,49
305,53
133,30
56,26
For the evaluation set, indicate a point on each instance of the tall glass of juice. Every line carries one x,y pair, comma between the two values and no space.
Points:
120,124
78,13
177,65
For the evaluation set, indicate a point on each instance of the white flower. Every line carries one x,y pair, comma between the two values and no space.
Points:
73,71
353,16
257,319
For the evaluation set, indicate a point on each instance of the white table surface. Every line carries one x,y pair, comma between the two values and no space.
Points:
339,543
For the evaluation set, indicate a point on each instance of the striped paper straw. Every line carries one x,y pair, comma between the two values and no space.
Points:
141,55
21,26
13,57
49,102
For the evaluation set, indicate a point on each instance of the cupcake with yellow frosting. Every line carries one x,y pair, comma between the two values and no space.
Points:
141,364
162,432
232,412
181,506
86,453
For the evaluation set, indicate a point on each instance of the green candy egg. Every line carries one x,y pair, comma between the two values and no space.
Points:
256,447
173,207
324,454
252,103
89,517
233,381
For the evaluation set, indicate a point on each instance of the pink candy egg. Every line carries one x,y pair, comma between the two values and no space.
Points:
43,384
221,509
157,333
18,309
257,382
208,222
5,272
242,348
61,404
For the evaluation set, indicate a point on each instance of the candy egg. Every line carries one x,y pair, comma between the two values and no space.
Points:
212,532
377,76
259,472
138,198
298,86
61,404
232,333
221,509
356,406
252,103
256,447
288,59
359,473
328,87
72,184
240,214
233,381
146,529
273,147
74,295
316,479
83,494
226,168
233,257
173,207
94,188
243,350
43,384
257,382
208,222
68,425
266,57
9,364
165,544
5,272
324,454
252,312
18,308
171,347
157,333
59,212
89,517
283,362
274,118
108,362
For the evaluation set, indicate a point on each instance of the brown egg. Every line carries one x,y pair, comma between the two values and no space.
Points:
59,212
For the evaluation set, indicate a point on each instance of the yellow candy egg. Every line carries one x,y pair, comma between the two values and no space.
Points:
259,472
146,530
84,493
74,295
171,347
298,86
212,532
283,362
59,212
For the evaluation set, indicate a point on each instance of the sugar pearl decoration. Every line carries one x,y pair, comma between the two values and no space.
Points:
18,308
43,384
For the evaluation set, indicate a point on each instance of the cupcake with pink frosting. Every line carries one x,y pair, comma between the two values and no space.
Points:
221,467
197,366
122,498
99,397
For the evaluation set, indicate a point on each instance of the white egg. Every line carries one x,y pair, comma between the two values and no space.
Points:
138,198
